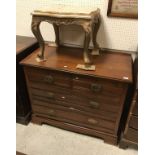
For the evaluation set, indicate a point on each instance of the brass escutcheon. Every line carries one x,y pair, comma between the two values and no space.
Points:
96,87
48,79
94,104
51,112
92,121
50,95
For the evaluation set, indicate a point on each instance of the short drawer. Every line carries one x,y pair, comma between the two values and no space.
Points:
133,122
74,116
101,108
132,135
48,77
97,86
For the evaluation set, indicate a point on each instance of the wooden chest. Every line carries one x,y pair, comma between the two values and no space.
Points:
88,102
130,135
24,46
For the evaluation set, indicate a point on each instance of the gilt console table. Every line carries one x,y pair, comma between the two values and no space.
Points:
89,19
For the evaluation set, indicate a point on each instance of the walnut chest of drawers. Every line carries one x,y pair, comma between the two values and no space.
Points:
24,46
88,102
129,136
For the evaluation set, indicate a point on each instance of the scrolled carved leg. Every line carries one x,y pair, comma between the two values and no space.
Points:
36,31
95,31
86,53
56,29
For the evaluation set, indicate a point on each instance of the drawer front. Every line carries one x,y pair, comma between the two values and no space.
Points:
103,98
74,116
97,86
100,98
49,77
132,135
101,108
133,122
103,114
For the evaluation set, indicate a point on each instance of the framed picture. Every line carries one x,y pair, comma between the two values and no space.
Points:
123,8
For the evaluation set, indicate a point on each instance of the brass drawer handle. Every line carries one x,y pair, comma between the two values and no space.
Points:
51,112
50,95
92,121
48,79
93,104
96,87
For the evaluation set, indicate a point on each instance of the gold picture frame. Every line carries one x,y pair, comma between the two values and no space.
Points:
123,8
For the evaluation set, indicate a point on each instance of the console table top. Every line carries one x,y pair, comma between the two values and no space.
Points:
67,11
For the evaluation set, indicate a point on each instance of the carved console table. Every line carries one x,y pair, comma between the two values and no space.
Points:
89,19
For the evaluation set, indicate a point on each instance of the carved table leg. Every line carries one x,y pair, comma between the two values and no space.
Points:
86,53
95,30
36,31
56,29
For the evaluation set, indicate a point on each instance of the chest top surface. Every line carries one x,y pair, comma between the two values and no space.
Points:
109,65
23,42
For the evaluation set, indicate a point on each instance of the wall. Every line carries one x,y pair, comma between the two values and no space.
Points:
114,33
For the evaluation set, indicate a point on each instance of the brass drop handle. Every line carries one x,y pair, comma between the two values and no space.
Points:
94,104
92,121
48,79
50,95
96,87
51,112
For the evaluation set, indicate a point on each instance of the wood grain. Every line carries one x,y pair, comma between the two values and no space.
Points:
89,102
114,66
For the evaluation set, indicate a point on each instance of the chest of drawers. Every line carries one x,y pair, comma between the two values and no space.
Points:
88,102
130,134
24,46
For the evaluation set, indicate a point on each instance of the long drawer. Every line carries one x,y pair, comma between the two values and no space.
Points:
102,108
107,98
103,115
75,117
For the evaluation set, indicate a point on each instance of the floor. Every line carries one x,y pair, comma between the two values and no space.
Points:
47,140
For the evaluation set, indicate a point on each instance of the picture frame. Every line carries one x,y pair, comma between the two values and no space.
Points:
123,8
